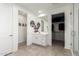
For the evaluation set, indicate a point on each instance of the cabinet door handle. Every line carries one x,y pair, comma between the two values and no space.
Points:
10,35
36,38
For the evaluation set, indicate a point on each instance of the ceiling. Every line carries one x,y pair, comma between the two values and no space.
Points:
44,7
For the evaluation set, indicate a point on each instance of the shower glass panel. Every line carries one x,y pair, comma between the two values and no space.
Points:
76,29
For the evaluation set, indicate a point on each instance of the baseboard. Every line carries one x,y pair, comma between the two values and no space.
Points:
8,54
76,53
38,45
72,52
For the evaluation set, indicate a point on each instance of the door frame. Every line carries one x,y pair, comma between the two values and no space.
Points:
15,26
25,27
68,18
64,26
76,29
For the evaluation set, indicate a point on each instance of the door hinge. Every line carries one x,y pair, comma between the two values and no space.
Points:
71,44
70,13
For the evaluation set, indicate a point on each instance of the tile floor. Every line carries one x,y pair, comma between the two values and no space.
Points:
36,50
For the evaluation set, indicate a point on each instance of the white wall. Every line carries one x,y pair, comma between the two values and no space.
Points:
30,30
68,26
45,20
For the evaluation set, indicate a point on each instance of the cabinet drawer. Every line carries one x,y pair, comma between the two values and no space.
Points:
39,39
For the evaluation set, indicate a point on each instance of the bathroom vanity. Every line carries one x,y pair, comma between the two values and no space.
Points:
40,39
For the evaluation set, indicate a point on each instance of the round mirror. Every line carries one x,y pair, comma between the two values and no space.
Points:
32,24
38,25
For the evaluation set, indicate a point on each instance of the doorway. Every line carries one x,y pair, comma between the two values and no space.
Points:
22,28
58,29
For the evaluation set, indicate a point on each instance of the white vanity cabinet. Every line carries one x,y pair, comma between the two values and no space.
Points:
39,39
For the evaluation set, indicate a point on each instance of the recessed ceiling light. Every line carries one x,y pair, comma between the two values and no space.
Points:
41,15
40,11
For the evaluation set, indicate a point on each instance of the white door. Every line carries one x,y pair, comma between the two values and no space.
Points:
5,29
76,30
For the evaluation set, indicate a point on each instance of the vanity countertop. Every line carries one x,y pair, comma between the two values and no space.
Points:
41,33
